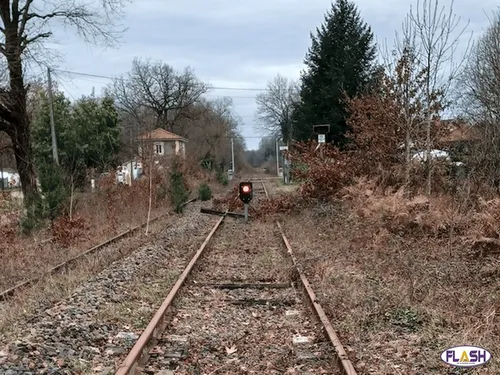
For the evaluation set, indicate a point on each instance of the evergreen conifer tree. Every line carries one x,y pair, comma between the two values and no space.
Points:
340,61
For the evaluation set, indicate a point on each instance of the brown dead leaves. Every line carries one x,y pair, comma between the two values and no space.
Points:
67,232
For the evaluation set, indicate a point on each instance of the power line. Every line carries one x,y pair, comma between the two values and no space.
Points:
205,95
108,77
231,96
64,87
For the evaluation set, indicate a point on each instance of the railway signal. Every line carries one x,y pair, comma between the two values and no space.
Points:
321,130
246,195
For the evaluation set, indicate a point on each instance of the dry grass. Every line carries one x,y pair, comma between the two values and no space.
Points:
97,216
100,216
105,213
58,287
403,279
280,188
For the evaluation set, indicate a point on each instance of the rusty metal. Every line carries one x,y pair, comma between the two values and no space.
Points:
345,364
137,353
65,265
247,286
221,213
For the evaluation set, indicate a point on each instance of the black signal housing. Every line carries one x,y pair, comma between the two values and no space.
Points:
321,129
246,192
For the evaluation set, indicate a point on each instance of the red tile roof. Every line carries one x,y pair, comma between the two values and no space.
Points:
162,135
459,131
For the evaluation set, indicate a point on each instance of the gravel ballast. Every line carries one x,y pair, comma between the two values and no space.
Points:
89,332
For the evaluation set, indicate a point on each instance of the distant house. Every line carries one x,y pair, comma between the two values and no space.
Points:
9,178
163,143
458,136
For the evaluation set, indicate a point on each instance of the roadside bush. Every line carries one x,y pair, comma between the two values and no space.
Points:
178,189
54,190
323,172
161,192
32,219
204,192
222,178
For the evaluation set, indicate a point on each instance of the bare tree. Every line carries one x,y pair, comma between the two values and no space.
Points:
438,33
275,107
482,103
210,128
407,81
482,74
157,87
24,25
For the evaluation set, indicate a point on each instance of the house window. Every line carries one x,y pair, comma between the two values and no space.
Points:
159,149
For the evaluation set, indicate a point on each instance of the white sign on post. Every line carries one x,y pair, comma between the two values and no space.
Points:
321,138
283,148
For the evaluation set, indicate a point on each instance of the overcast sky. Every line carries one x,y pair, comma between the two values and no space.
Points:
231,43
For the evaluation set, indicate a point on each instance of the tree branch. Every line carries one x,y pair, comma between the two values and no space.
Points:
25,42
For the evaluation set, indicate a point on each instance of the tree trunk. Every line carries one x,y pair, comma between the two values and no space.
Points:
407,157
21,141
19,129
429,160
71,199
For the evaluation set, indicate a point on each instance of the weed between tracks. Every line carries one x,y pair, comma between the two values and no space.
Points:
247,337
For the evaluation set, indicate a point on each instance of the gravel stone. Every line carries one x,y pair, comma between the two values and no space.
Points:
71,335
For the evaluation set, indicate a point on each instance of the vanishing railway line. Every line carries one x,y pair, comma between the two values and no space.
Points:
242,305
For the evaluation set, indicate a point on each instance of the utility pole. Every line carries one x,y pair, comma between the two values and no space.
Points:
52,125
277,159
131,159
288,163
1,172
232,155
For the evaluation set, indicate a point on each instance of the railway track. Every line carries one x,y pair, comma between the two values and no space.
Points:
63,266
241,306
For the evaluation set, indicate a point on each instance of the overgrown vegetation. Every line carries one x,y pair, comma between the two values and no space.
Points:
204,192
222,177
179,193
402,204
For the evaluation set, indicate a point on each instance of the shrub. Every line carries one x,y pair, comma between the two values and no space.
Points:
204,192
178,190
32,219
222,178
324,172
161,192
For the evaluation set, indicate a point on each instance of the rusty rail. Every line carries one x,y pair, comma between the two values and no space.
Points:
148,336
344,362
64,265
139,355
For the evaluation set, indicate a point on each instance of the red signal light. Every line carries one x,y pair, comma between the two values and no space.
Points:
245,191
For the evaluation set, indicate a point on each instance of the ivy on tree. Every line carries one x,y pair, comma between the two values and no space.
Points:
339,62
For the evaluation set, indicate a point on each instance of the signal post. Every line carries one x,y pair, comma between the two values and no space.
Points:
321,130
246,195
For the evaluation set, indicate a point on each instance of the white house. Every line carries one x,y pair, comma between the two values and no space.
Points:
10,179
163,142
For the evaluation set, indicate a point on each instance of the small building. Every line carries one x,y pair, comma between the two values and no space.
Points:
458,137
163,142
9,178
